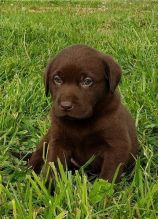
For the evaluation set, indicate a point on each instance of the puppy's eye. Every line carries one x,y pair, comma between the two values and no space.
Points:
57,80
87,82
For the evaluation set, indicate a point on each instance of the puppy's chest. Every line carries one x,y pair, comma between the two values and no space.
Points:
91,141
83,147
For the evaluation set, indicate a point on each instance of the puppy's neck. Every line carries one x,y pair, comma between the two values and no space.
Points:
108,104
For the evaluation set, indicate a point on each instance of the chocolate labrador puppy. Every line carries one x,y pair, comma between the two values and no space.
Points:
87,116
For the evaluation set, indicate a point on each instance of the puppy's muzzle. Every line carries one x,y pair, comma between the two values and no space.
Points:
66,105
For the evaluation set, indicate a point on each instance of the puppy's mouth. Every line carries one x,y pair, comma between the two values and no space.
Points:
68,118
70,115
74,117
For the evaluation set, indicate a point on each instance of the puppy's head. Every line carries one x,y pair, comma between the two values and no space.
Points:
78,78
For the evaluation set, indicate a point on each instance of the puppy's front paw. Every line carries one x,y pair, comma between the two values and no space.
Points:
35,162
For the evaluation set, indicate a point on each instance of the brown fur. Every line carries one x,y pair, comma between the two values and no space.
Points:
87,120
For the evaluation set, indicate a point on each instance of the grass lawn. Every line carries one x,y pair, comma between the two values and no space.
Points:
31,33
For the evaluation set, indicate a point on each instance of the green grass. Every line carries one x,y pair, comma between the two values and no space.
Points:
31,33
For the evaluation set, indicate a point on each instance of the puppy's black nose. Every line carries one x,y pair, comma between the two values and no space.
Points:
66,105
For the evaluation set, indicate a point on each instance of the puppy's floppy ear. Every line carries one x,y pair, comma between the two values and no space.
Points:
46,77
112,72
